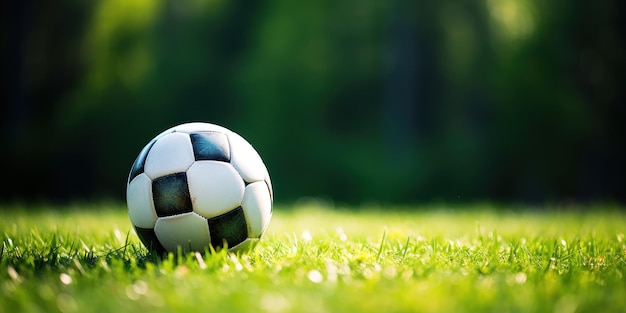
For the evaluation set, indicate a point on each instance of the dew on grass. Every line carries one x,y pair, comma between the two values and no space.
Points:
315,276
13,274
140,287
65,278
136,290
520,278
306,235
131,294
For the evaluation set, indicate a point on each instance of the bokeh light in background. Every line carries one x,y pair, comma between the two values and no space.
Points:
355,101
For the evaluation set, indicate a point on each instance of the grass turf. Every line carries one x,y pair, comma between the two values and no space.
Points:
435,259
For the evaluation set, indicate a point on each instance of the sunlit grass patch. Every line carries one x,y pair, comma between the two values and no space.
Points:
316,259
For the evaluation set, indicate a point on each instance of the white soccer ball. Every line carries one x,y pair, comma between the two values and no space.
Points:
196,186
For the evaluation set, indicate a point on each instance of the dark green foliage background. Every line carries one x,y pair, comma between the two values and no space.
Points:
393,101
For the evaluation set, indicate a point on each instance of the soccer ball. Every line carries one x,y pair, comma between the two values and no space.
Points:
197,186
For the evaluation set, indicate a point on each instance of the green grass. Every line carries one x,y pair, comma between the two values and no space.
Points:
475,258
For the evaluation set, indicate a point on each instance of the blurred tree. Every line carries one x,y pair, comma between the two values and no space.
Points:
39,67
395,101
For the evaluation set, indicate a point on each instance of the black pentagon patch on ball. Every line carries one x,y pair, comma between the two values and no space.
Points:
230,227
150,240
140,161
171,195
210,146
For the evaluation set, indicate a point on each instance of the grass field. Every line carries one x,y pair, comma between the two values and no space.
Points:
473,258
